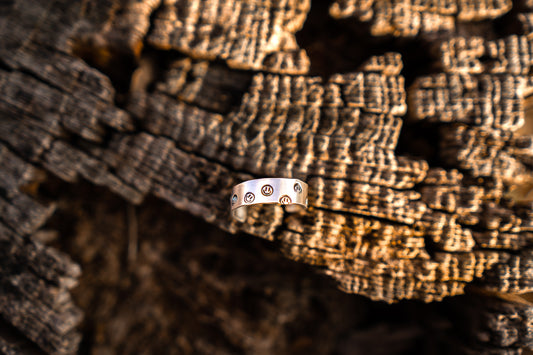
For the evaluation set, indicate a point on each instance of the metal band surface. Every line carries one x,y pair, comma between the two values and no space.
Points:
289,192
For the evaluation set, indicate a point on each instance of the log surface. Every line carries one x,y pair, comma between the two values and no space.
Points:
416,175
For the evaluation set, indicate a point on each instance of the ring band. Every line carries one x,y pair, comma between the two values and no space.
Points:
289,192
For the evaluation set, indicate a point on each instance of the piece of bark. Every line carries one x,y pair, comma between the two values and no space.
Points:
481,106
409,18
257,35
497,324
35,280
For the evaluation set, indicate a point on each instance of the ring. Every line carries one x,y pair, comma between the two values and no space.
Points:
289,192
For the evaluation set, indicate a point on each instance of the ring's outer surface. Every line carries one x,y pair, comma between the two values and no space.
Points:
283,191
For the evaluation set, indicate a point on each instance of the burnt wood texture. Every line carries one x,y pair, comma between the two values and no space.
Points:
418,185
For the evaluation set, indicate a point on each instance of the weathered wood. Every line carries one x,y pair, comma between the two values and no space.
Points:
34,280
230,292
386,226
410,18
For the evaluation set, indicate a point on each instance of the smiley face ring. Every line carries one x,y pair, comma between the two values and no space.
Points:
291,193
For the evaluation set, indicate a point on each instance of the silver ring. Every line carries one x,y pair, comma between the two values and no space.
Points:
289,192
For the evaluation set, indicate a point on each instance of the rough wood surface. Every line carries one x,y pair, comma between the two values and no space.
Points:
412,17
165,99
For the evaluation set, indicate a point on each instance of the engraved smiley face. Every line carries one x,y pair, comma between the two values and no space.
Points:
284,200
249,197
267,190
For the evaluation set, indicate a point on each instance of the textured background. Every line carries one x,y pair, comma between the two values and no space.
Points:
124,124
